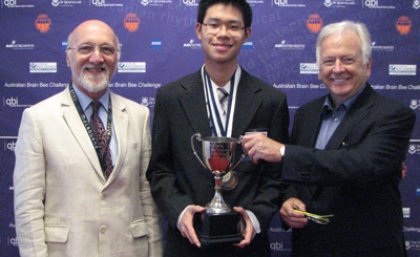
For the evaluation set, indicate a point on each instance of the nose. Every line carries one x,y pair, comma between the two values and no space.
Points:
223,31
96,56
338,66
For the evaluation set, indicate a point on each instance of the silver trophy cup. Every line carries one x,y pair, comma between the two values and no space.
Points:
219,224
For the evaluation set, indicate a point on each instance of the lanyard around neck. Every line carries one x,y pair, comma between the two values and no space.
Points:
218,128
89,128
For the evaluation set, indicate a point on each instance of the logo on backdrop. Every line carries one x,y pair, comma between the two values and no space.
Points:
414,147
190,2
279,246
14,4
287,3
415,104
131,67
155,2
416,4
65,3
403,25
131,22
42,67
19,46
412,245
104,3
192,45
402,69
339,3
13,101
148,101
284,45
156,43
377,47
374,4
9,145
314,23
43,23
308,68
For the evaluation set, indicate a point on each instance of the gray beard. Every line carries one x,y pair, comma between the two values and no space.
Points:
91,87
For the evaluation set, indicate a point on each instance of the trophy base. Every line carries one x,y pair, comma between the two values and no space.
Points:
219,228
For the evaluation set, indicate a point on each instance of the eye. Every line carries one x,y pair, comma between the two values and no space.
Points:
214,25
348,60
107,50
85,49
328,62
234,27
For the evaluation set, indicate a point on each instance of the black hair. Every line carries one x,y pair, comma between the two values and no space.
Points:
242,5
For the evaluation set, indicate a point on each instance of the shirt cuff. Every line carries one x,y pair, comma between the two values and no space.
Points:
181,215
255,222
282,150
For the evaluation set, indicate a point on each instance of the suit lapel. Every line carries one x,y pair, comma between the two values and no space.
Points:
248,100
357,112
120,126
75,124
194,105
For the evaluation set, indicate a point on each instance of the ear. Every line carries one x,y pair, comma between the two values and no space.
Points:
198,28
369,67
67,59
248,33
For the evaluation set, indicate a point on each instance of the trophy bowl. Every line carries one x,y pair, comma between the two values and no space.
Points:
219,223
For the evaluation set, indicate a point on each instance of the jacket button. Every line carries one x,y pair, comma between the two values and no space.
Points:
103,229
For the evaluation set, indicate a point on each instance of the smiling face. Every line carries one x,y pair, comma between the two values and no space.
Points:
341,65
219,34
92,56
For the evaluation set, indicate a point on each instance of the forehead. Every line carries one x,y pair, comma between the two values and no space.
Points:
224,12
341,42
94,34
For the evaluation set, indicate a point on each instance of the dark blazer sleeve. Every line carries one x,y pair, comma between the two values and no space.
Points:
369,144
161,174
271,188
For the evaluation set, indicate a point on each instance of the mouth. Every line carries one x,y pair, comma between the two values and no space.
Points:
222,46
339,81
95,68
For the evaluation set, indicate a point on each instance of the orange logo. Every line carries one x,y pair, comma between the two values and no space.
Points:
42,23
131,22
314,23
403,25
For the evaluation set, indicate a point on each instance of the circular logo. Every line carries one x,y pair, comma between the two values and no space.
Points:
42,23
131,22
314,23
403,25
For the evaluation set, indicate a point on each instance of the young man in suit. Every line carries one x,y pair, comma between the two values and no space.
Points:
180,185
345,156
78,193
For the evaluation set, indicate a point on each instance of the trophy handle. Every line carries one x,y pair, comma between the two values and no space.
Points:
198,137
237,163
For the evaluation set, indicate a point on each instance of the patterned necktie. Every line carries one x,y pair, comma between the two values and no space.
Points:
100,134
222,94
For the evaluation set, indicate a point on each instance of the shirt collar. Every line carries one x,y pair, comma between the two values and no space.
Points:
346,104
86,100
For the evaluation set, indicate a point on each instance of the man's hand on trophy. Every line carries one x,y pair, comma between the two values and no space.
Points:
248,232
186,225
259,147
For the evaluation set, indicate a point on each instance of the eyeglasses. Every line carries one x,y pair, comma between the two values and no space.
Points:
87,49
216,26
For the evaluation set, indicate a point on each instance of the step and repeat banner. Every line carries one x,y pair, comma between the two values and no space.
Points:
159,45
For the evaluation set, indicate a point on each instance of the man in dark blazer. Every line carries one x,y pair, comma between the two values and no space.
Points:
345,156
180,185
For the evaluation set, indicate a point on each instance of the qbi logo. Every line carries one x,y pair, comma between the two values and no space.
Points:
371,3
11,101
416,4
10,3
280,2
10,146
12,241
190,2
98,2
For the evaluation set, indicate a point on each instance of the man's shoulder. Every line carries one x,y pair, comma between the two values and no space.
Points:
185,80
261,84
53,100
126,102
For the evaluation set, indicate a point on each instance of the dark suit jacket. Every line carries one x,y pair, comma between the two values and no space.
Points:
355,178
177,178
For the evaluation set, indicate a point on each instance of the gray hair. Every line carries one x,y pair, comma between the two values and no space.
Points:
340,27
